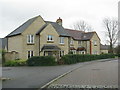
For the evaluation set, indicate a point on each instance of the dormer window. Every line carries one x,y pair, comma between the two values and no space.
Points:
50,38
30,39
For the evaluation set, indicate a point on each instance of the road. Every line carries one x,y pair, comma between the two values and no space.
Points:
35,77
96,74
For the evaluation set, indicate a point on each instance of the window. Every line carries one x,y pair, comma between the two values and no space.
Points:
61,40
30,54
50,38
80,42
95,42
30,38
61,53
71,42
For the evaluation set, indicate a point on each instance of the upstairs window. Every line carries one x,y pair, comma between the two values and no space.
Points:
71,41
30,38
50,38
95,42
80,42
61,40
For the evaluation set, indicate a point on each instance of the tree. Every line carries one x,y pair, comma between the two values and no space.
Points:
82,25
111,26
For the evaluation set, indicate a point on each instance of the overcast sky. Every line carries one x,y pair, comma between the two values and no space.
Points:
13,13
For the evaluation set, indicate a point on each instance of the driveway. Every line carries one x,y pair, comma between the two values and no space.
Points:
35,77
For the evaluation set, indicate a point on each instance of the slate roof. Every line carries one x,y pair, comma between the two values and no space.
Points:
25,25
50,48
104,47
60,30
21,28
80,35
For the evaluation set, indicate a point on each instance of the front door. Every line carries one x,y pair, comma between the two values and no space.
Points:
50,53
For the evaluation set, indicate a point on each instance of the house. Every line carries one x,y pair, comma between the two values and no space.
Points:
104,49
37,37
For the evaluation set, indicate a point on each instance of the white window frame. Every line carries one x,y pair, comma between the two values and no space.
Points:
95,42
71,41
61,40
31,53
61,53
50,38
30,39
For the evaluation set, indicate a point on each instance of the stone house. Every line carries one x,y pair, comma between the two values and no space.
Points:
37,37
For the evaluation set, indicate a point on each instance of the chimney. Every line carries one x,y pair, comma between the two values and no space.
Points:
59,21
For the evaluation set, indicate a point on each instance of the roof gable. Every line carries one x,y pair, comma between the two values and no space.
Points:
59,29
22,28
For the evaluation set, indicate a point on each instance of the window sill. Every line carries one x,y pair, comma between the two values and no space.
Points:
62,44
30,43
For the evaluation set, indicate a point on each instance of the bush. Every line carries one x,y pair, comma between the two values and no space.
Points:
15,63
41,61
71,59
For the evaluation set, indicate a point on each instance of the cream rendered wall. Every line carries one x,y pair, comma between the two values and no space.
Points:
95,48
32,29
49,30
15,43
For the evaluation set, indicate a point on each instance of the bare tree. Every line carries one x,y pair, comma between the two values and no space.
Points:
82,25
111,26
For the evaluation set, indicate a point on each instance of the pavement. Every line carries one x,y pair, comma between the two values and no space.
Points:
99,74
36,77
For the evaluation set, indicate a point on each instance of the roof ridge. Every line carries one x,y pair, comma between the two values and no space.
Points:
74,30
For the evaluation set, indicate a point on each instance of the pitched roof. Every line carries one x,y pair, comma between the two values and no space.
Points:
80,35
75,33
21,28
104,47
50,48
60,30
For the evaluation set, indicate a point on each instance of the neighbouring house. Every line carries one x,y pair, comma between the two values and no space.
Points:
37,37
104,49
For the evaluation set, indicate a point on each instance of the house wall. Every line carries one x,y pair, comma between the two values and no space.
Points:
49,30
15,43
95,48
31,30
103,51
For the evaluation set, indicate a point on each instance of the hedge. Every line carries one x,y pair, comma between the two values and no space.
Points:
15,63
74,58
41,61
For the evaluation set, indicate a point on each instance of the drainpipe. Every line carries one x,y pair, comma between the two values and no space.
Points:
90,47
39,44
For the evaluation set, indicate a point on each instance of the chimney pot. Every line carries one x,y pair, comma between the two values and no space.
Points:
59,21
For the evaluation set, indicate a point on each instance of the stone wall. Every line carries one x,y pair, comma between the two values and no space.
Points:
11,56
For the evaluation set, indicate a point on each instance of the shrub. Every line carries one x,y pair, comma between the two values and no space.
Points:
71,59
41,61
15,63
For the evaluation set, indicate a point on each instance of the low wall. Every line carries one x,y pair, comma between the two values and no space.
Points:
11,56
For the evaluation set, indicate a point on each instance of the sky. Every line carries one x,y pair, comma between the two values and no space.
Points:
13,13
